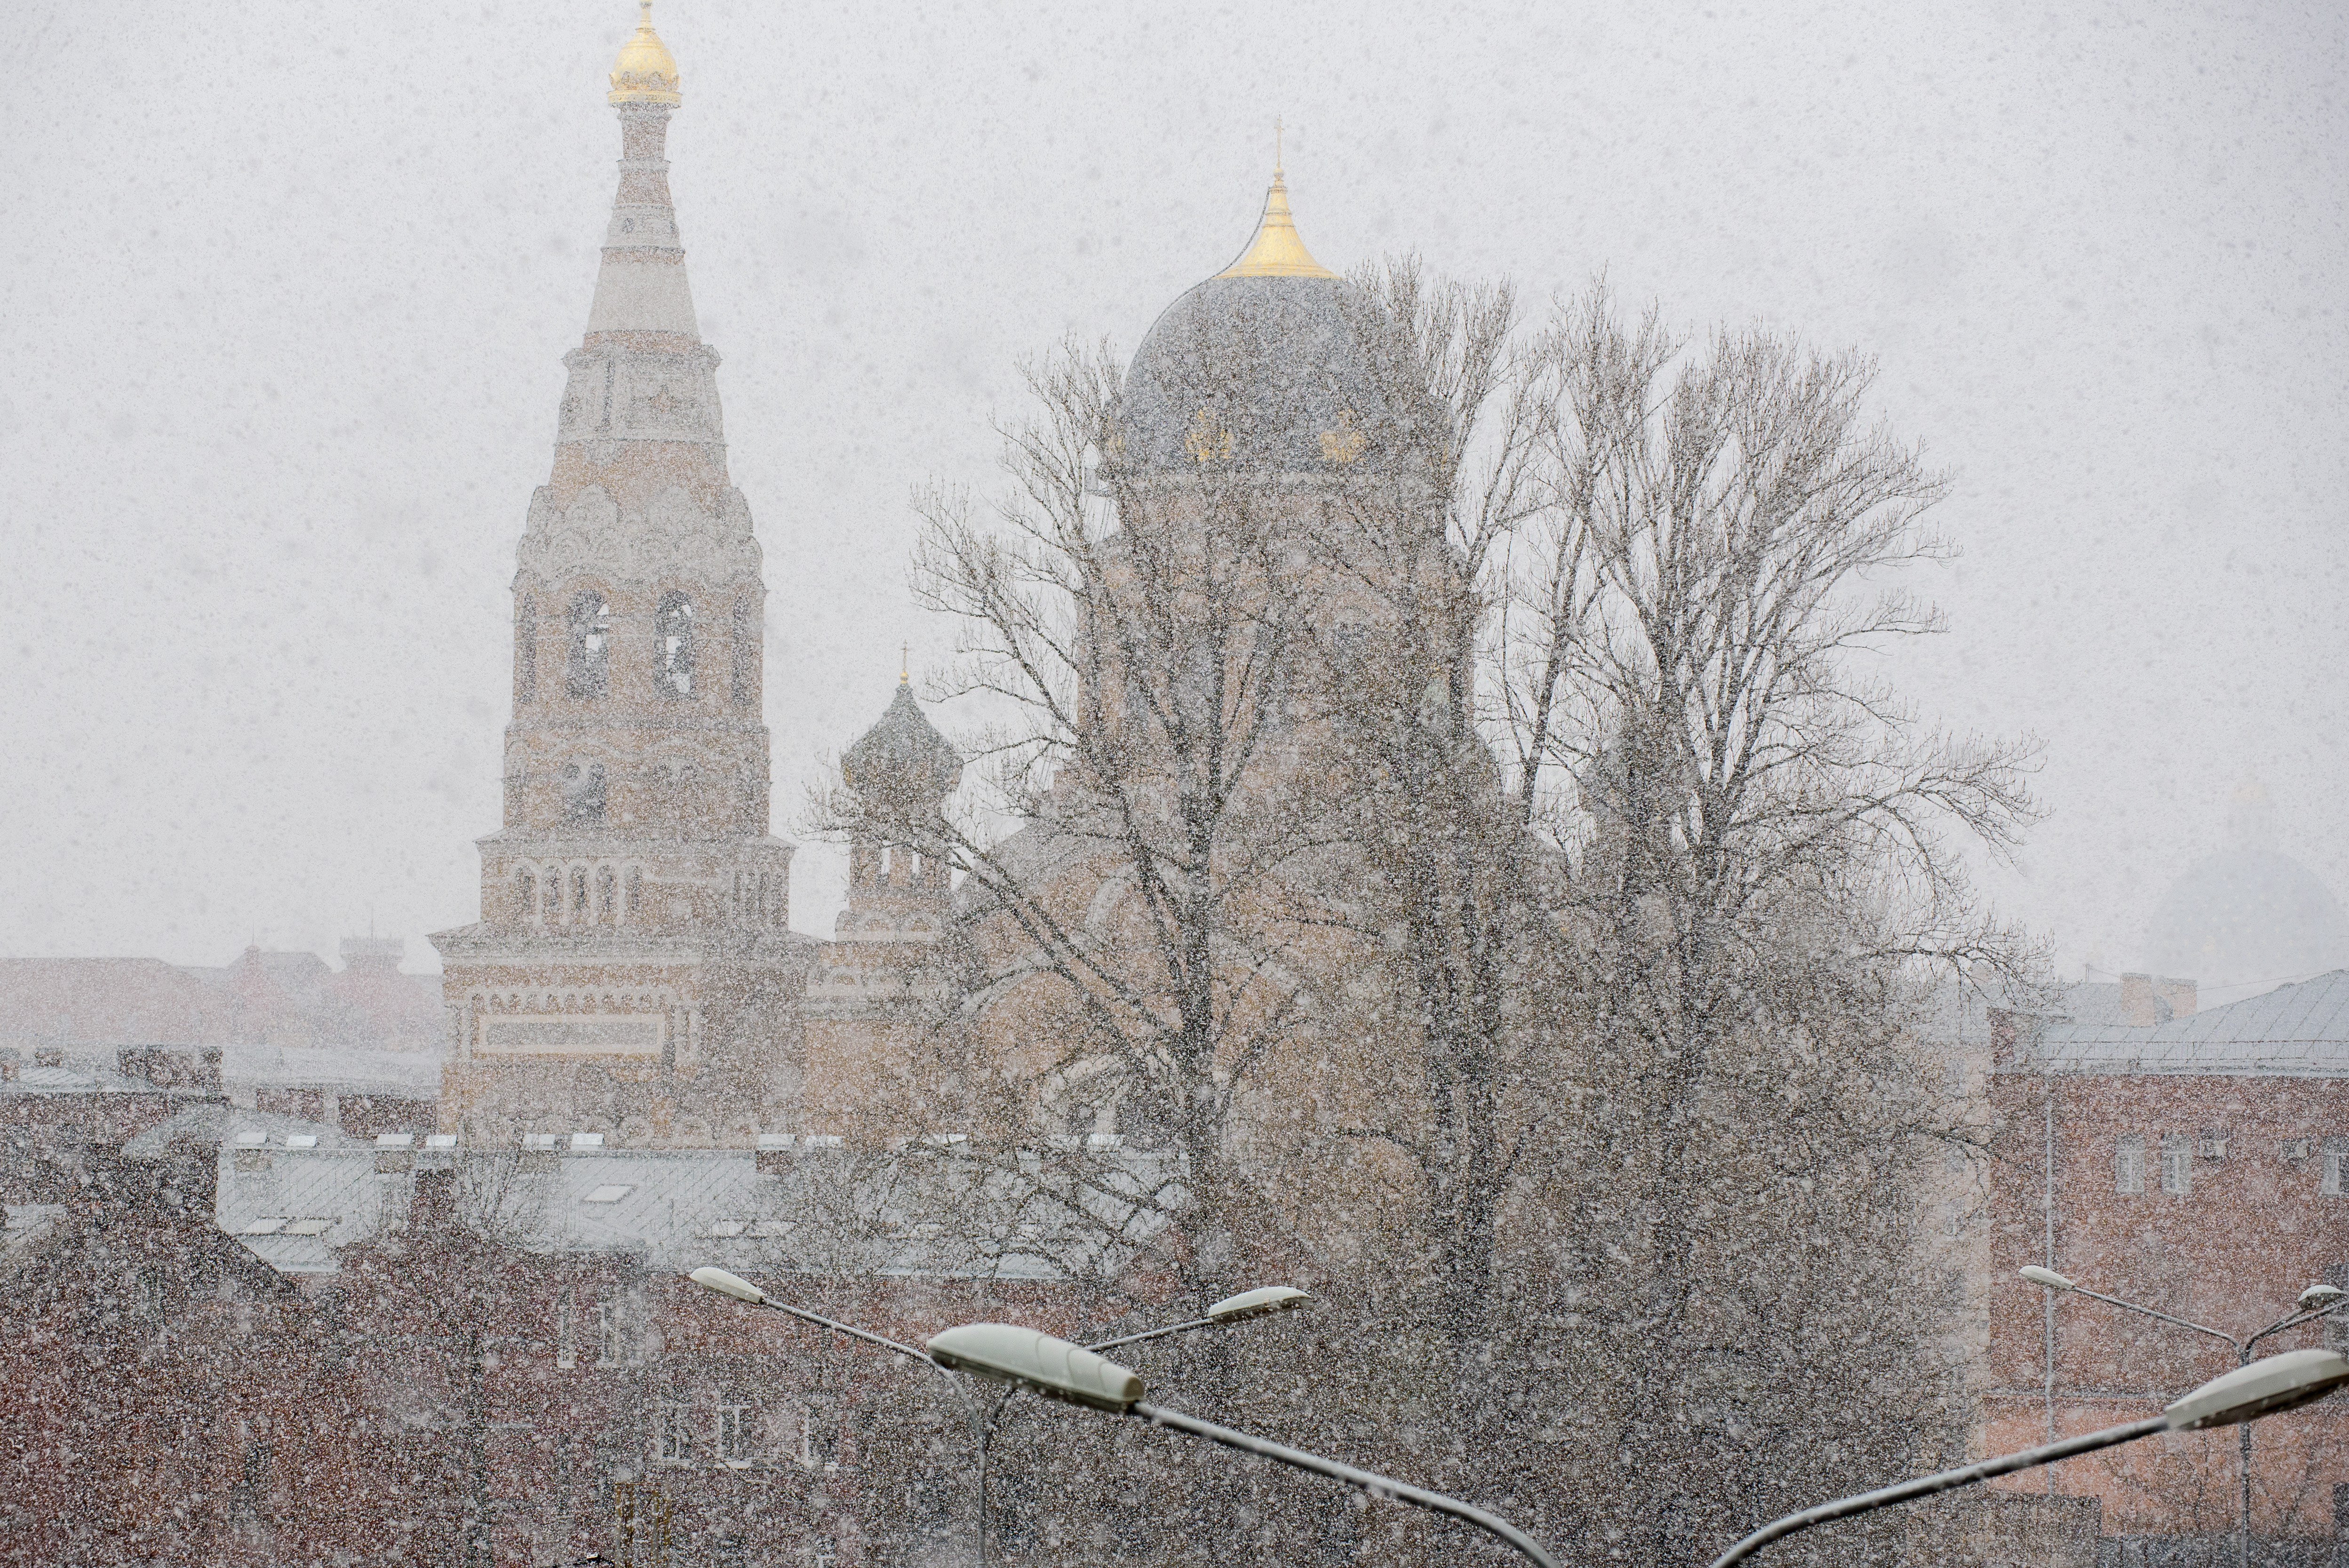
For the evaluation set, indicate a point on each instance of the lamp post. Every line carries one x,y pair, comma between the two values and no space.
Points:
1058,1370
2314,1301
1262,1301
2259,1388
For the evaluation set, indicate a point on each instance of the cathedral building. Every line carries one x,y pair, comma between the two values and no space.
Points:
633,976
632,972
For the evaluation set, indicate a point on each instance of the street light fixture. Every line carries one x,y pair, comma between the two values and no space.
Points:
1262,1301
2243,1396
1060,1370
2314,1303
1013,1354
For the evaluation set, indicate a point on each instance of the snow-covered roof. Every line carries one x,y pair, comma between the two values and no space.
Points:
927,1210
2293,1030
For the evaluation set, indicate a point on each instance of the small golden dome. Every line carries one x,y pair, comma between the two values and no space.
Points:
646,71
1276,252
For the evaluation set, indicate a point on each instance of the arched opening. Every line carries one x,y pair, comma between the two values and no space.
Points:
526,895
673,643
607,896
579,895
582,792
590,664
526,651
554,885
636,899
746,655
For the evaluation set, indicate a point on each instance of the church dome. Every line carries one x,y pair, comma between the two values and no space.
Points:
646,71
2248,914
903,759
1264,366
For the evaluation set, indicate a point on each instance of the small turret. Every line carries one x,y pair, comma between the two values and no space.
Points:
902,770
903,765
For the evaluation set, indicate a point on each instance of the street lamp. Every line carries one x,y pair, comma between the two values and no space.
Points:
1262,1301
2245,1395
2314,1301
1061,1371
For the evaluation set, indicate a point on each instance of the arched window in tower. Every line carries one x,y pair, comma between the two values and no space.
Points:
526,651
746,654
673,638
526,895
591,646
607,897
582,792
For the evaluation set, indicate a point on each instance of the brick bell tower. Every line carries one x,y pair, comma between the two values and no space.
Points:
632,973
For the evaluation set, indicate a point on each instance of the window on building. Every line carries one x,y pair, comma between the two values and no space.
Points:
673,638
582,792
607,1333
2177,1162
2128,1164
808,1452
526,894
2214,1143
565,1334
2333,1179
590,664
746,654
673,1432
734,1434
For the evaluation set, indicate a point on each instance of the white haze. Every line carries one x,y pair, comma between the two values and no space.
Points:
289,289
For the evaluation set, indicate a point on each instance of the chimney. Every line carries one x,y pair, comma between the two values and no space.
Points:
2177,994
2143,1002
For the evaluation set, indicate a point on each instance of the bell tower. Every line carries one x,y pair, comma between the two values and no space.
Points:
630,971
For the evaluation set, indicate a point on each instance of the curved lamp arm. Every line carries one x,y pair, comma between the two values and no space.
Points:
2280,1383
1154,1334
2132,1307
2054,1281
1926,1486
1376,1485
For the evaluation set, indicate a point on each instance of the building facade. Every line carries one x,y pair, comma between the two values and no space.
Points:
2195,1162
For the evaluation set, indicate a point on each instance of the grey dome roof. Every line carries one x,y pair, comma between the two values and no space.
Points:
1263,372
903,759
2247,913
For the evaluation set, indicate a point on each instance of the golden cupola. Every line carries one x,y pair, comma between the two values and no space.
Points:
1276,252
646,71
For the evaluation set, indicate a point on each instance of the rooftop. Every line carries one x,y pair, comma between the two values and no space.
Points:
2293,1030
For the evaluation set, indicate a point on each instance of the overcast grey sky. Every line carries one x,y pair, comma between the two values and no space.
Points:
289,289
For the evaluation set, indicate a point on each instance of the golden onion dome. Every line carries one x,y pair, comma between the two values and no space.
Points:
646,71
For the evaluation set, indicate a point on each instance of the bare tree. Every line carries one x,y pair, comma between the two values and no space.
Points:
1765,863
1146,631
